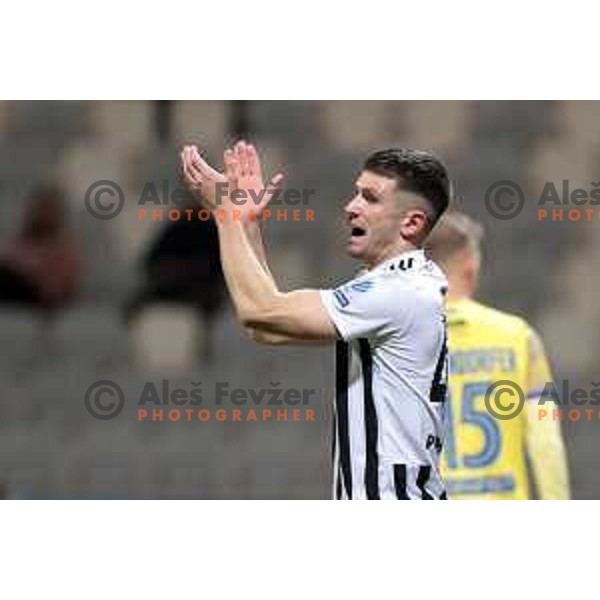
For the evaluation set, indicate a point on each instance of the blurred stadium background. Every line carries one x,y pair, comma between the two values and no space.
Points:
50,447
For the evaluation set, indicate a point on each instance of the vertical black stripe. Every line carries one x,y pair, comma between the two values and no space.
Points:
444,496
337,474
341,409
422,479
439,384
338,486
372,462
333,439
400,482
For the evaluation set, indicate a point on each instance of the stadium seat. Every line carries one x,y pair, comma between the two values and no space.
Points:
294,125
361,126
201,122
92,336
122,125
518,121
570,159
580,120
291,267
20,332
574,340
165,338
131,234
84,162
440,126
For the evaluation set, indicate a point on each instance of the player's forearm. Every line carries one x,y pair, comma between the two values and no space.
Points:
255,240
260,336
547,456
251,286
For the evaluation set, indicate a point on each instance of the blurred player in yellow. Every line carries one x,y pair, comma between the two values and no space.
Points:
486,457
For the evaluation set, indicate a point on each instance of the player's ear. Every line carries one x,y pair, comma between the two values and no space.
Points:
414,225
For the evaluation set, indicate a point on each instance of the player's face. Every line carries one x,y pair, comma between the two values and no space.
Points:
375,218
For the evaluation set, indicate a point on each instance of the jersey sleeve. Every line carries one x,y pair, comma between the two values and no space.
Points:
545,446
538,371
365,307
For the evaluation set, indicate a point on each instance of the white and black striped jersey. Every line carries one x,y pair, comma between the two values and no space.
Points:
391,380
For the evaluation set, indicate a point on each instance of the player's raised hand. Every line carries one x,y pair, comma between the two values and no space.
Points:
247,194
203,181
250,178
232,177
200,178
232,169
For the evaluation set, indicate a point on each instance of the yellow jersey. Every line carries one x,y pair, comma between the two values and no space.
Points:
485,457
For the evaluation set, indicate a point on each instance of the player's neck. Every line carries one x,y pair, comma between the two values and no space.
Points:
460,287
458,292
458,297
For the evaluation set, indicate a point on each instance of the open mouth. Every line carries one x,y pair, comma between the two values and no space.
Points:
358,232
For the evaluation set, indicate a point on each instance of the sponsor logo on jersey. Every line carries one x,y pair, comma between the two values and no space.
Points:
362,286
341,298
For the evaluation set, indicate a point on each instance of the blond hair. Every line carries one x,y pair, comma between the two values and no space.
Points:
453,233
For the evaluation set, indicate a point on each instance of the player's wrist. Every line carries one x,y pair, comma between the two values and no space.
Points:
251,226
228,220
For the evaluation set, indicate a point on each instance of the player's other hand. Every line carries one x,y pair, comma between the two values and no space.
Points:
200,178
213,188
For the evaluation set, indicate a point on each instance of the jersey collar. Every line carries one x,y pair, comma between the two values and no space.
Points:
401,262
459,310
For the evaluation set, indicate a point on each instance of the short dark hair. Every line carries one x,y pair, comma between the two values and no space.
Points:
415,171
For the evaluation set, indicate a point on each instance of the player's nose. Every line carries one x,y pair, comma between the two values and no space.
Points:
352,206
